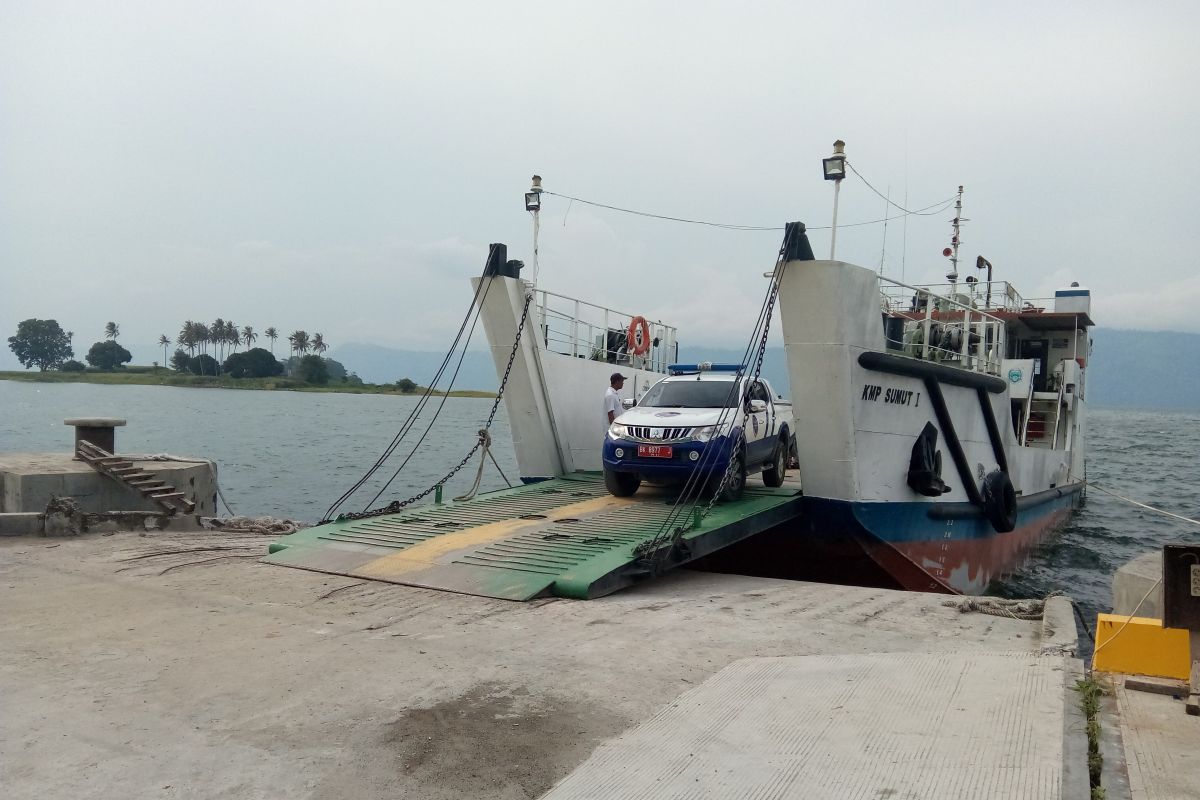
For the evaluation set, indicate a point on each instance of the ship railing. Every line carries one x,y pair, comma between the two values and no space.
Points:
980,295
936,327
579,329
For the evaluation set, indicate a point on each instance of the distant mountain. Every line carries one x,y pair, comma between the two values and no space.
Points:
1150,370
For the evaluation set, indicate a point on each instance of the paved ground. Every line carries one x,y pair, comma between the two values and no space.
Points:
1162,745
177,666
947,726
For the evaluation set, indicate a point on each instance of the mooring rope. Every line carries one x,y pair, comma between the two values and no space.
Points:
1139,504
1025,610
485,445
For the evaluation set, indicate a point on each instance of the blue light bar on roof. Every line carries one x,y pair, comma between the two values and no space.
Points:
704,366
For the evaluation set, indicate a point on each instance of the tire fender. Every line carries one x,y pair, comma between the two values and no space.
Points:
999,501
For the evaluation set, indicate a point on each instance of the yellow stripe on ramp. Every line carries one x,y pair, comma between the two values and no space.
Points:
439,549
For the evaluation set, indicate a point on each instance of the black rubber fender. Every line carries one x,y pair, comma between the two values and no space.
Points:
999,501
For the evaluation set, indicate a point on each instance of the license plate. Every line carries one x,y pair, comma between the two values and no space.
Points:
654,450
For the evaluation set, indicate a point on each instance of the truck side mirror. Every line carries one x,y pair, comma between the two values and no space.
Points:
628,404
758,406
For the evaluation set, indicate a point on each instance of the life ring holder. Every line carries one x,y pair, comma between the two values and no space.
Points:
638,337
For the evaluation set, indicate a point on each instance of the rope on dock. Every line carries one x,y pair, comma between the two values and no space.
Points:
263,525
1025,610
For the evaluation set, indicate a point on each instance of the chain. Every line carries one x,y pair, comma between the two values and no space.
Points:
653,549
397,505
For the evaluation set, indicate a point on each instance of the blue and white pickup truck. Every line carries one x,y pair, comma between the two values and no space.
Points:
695,421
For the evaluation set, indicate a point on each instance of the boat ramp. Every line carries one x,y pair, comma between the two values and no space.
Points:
563,537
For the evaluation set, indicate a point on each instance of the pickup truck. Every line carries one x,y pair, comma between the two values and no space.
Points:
695,421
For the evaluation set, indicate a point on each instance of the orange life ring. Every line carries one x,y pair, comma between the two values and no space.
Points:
638,339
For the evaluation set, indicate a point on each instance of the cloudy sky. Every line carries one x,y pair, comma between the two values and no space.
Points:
340,167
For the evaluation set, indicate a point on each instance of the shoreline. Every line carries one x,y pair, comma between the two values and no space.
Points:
164,377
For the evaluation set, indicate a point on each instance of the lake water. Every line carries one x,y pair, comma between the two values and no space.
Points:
291,454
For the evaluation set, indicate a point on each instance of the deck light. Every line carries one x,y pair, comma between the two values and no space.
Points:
835,165
835,170
533,198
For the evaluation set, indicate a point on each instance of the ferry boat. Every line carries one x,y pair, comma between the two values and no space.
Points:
939,430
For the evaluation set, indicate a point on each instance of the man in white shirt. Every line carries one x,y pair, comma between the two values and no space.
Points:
612,401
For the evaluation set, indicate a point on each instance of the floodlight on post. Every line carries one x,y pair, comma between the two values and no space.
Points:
835,170
533,198
533,204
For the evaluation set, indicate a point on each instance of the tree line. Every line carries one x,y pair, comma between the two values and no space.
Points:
45,345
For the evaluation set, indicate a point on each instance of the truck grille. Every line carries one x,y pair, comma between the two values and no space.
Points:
648,434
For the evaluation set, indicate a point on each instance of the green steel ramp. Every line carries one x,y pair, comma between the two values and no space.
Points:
566,537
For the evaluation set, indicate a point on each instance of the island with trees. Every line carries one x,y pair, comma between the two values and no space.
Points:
208,355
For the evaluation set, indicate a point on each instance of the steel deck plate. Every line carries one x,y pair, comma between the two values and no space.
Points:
567,537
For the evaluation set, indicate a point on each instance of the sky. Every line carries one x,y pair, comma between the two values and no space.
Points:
341,167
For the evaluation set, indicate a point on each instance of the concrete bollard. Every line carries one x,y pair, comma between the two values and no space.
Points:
100,431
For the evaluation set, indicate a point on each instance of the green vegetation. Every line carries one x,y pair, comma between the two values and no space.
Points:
312,369
41,343
108,355
1090,693
149,376
44,344
254,363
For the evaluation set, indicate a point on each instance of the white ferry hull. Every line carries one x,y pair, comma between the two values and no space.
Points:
859,409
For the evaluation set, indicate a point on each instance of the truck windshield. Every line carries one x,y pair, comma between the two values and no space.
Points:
690,394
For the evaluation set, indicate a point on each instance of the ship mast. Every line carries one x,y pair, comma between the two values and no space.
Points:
952,250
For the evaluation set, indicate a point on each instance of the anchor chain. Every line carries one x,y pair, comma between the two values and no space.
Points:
397,505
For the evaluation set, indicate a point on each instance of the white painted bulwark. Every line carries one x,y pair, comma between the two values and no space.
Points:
824,329
554,401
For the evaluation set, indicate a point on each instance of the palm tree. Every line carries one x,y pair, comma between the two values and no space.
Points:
232,336
218,336
112,330
318,344
299,342
248,335
204,338
165,342
271,334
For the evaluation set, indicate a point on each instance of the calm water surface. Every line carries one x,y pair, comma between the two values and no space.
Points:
291,454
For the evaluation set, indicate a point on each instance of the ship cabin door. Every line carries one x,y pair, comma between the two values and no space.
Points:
1038,349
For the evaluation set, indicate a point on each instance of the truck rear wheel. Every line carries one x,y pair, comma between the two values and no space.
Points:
621,484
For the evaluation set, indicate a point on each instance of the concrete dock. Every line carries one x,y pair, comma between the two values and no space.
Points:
1153,750
179,666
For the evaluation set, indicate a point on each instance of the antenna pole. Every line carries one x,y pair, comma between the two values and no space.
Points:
954,242
533,204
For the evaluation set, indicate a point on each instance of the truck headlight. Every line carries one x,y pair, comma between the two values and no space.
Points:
618,431
704,434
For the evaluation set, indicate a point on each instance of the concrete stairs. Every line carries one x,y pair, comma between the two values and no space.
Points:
145,483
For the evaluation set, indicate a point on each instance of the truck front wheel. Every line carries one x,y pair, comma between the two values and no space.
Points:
735,484
621,484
